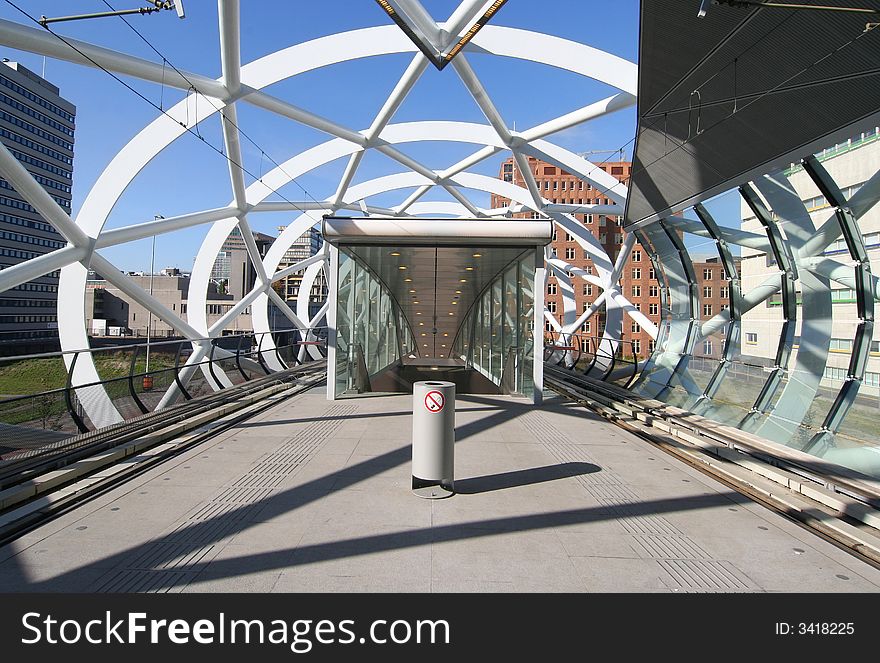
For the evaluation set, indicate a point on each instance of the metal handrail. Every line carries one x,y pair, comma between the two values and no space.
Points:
594,347
69,390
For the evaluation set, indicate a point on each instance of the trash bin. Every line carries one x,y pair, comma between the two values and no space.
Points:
433,439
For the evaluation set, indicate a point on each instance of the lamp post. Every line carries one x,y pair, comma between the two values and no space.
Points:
148,379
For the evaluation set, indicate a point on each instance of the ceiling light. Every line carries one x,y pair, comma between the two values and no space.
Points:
462,280
421,324
419,313
412,290
425,345
402,267
424,334
445,334
469,269
478,255
454,303
407,280
415,302
434,368
442,345
395,253
451,313
458,292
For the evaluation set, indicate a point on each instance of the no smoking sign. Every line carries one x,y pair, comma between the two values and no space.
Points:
434,401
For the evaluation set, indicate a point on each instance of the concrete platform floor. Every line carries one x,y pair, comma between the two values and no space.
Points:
313,496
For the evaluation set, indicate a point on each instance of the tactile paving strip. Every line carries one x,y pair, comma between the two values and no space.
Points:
174,560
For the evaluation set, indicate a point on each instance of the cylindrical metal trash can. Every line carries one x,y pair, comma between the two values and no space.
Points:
433,439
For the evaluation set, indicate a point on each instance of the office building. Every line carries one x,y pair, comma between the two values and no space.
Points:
37,127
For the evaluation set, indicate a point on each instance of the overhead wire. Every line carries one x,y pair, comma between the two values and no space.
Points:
737,108
185,125
233,124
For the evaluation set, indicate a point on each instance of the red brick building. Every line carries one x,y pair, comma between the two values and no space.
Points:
638,281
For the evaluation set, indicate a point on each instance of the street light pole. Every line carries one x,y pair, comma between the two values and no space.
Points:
150,311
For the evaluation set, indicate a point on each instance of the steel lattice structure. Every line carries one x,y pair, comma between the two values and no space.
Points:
783,233
245,83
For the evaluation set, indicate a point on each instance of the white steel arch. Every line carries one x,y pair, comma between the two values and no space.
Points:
247,83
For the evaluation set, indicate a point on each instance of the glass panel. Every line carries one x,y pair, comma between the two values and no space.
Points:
496,335
344,306
526,319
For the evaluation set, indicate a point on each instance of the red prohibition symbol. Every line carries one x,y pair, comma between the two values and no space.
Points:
434,401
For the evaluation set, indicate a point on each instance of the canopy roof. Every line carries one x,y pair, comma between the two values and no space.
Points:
741,92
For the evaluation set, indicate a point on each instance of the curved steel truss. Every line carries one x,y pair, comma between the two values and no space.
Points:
245,84
797,337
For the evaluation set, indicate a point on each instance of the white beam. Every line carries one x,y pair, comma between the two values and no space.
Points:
478,92
154,228
40,266
45,43
590,112
297,267
230,45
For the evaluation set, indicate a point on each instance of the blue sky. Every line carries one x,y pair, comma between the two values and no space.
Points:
190,176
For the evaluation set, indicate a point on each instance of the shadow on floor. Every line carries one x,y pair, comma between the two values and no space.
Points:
515,479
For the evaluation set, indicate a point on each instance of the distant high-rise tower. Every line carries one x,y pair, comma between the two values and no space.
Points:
37,127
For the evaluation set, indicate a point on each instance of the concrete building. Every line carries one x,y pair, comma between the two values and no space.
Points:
37,127
850,163
111,312
638,282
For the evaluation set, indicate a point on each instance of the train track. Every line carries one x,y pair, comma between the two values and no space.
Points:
840,507
39,487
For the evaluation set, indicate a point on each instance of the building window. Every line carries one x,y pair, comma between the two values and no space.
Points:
618,238
584,306
652,275
588,289
569,238
653,291
725,292
551,306
707,274
707,291
751,338
637,272
586,327
707,347
603,238
636,256
588,218
707,309
637,291
654,309
637,346
636,328
569,253
551,288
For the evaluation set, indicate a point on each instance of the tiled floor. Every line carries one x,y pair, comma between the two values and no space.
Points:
315,496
